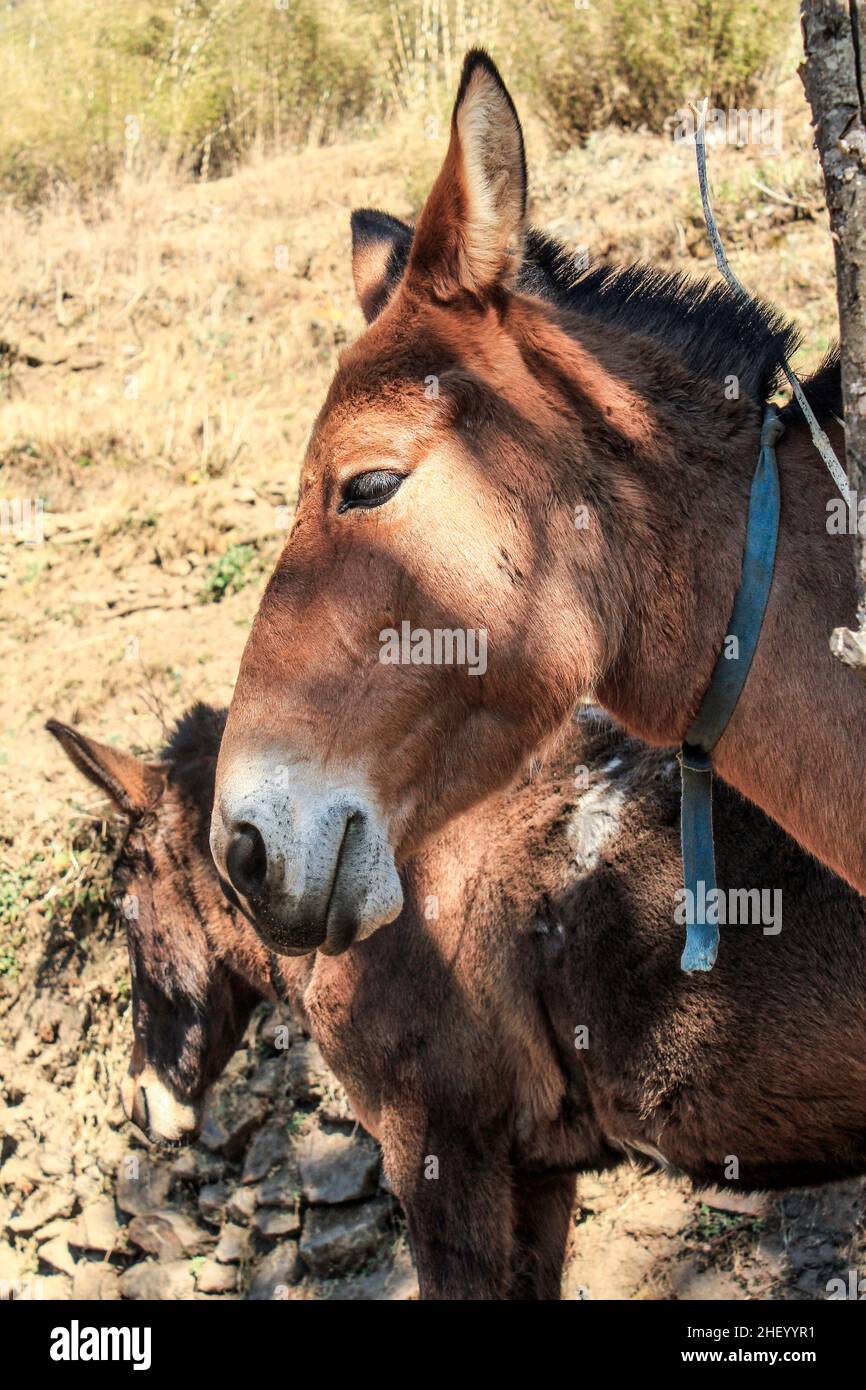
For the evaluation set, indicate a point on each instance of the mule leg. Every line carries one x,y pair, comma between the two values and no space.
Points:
543,1205
455,1188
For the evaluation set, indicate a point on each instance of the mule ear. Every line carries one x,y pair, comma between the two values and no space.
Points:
380,249
133,785
470,232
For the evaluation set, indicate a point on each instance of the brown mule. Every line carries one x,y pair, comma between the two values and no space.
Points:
526,484
524,1019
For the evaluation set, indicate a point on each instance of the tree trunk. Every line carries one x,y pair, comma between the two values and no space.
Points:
833,76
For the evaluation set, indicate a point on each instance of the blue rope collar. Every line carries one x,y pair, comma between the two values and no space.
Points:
720,701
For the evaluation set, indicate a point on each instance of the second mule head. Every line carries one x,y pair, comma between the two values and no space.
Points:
189,1007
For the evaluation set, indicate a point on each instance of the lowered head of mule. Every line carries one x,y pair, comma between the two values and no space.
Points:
470,544
189,1006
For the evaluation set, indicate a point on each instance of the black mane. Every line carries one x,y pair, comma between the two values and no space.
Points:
823,391
197,734
714,331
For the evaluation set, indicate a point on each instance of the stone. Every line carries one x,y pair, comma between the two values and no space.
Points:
27,1288
97,1227
197,1165
88,1186
278,1029
269,1147
61,1227
309,1078
155,1235
216,1278
73,1021
45,1205
798,1259
338,1167
22,1174
212,1200
281,1189
339,1240
274,1221
270,1078
95,1282
401,1279
57,1254
233,1246
227,1128
141,1186
112,1150
52,1163
274,1273
391,1279
185,1166
242,1203
827,1254
162,1281
168,1235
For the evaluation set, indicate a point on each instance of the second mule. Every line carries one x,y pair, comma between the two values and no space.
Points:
524,1019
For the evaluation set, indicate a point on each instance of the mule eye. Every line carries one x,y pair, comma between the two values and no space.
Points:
369,489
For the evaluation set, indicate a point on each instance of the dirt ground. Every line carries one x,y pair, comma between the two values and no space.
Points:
162,357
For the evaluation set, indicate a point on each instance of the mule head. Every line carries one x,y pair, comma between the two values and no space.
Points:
420,635
189,1007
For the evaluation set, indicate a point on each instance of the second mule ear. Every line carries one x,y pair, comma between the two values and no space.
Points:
380,247
470,232
132,784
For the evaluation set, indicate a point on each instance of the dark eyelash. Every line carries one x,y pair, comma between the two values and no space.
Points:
370,489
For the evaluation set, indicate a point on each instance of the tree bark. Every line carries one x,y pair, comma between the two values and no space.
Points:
833,76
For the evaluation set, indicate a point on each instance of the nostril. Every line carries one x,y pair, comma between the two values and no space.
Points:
247,861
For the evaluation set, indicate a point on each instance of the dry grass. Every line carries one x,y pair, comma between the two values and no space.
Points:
89,90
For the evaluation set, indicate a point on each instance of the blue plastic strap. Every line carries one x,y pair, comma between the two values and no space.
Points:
699,864
719,702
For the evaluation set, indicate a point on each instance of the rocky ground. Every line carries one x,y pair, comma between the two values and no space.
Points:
282,1196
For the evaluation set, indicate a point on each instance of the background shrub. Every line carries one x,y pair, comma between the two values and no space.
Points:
88,89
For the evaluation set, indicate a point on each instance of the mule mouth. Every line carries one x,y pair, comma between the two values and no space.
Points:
341,929
157,1144
290,938
284,941
156,1115
341,919
269,932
